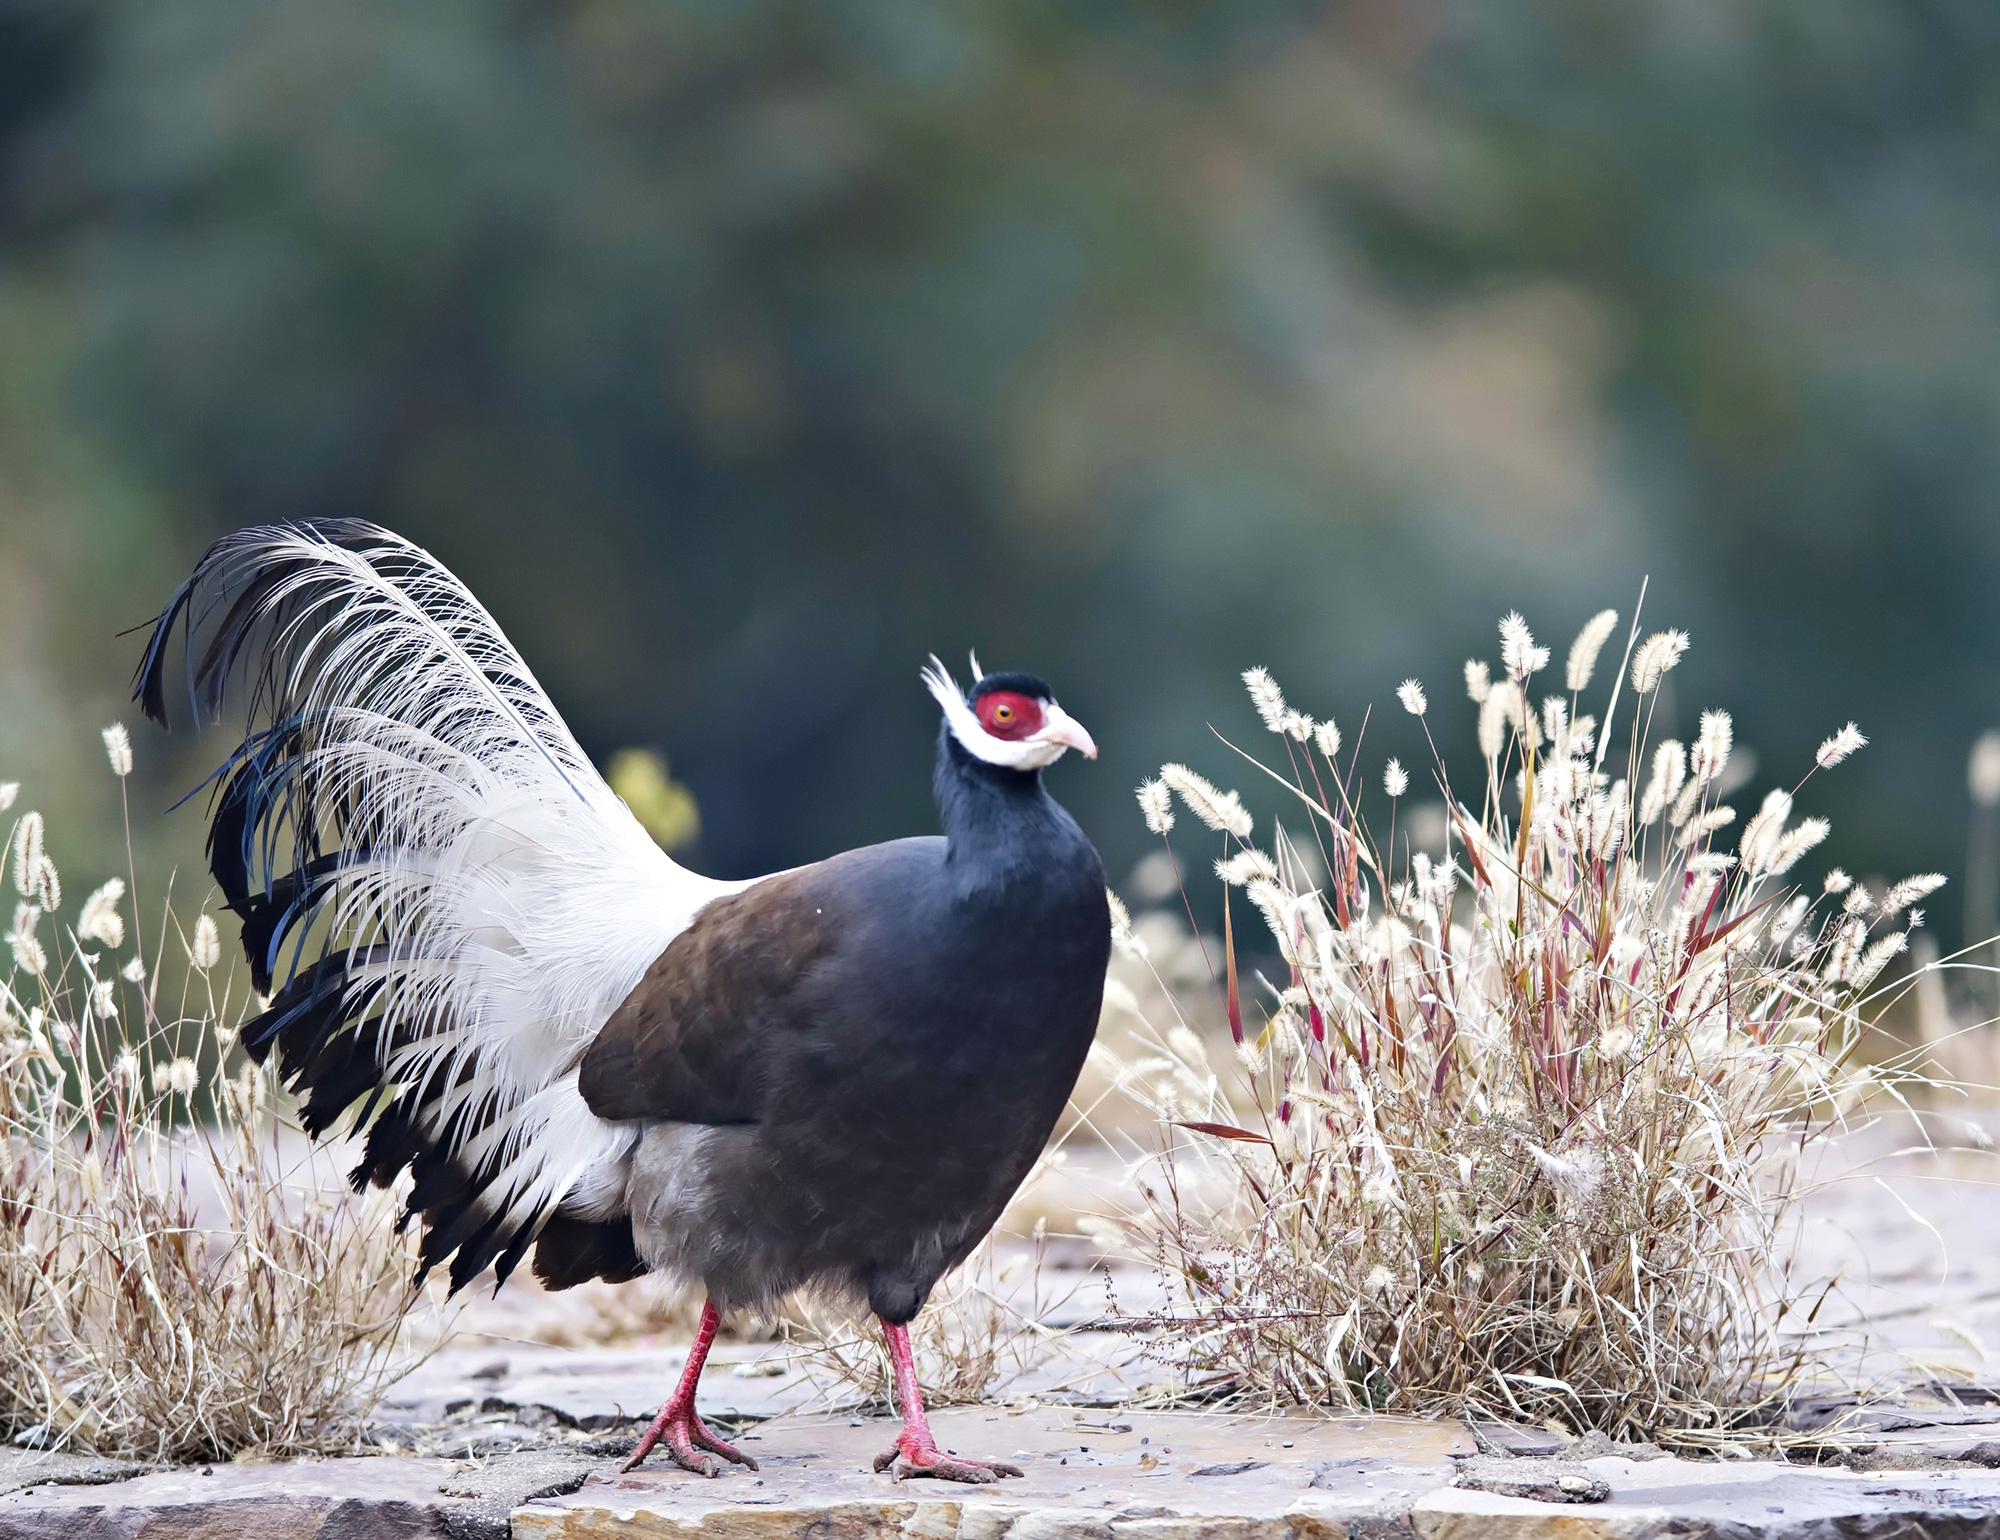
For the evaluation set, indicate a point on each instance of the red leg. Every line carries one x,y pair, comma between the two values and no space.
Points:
915,1452
678,1422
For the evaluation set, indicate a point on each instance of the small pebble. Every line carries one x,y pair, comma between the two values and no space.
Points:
1286,1444
1145,1440
854,1422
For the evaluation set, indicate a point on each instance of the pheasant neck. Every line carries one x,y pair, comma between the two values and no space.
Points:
999,824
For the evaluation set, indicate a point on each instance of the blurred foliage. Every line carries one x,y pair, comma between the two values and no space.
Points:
665,808
741,352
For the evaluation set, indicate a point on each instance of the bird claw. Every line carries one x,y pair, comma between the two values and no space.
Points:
906,1458
684,1432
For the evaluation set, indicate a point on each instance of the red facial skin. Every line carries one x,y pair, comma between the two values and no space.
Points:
1009,715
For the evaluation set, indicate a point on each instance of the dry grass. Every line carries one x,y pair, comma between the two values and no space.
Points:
177,1281
1523,1124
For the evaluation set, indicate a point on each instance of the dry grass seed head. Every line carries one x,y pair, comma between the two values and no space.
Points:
181,1282
1518,1147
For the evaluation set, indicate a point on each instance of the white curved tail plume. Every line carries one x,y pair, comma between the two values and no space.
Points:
442,891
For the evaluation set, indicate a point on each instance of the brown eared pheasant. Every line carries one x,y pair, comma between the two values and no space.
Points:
831,1079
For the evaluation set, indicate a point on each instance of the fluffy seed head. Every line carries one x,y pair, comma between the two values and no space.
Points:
1656,655
1246,867
27,854
48,885
1839,747
1909,891
100,920
1669,772
1588,644
205,951
1765,829
1810,832
118,749
1478,681
1685,804
9,790
134,972
1266,697
1711,746
1218,809
1837,881
1156,806
1187,1047
28,954
1493,722
1298,725
183,1077
1518,651
1121,921
1327,737
1877,957
1395,779
1700,828
1411,694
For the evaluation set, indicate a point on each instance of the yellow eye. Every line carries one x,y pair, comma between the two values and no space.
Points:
1003,714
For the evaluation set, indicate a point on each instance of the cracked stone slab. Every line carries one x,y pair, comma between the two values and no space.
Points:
491,1492
1151,1476
368,1499
20,1468
1546,1481
1746,1500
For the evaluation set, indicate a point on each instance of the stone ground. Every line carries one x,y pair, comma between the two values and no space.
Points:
1090,1476
518,1427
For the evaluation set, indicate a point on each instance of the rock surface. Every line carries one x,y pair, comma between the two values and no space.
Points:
1091,1476
379,1499
1160,1477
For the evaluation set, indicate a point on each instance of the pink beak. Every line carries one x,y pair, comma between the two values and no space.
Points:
1060,727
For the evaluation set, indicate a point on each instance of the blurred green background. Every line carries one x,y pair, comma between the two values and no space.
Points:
740,353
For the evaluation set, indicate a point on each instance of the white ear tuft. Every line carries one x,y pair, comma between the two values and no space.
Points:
978,673
944,689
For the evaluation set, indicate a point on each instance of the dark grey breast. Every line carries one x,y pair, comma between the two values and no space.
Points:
895,1031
